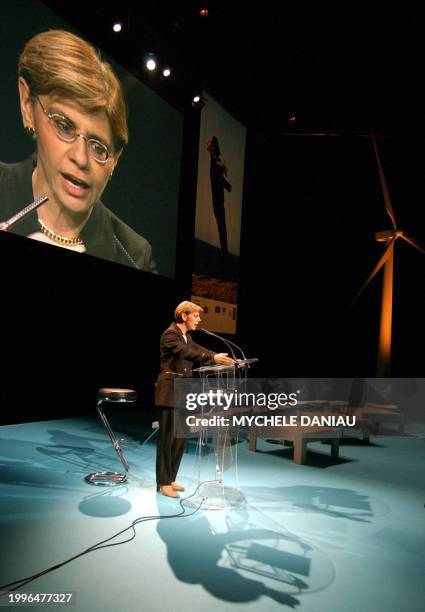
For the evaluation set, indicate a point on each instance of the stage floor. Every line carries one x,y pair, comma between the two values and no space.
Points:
344,535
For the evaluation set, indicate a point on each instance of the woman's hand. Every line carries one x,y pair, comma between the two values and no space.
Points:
223,359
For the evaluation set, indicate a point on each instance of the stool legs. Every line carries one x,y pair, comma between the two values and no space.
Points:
109,478
114,440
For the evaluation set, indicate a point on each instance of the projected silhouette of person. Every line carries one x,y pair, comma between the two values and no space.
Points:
219,182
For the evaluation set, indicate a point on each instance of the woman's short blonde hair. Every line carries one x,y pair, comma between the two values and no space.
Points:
60,63
187,308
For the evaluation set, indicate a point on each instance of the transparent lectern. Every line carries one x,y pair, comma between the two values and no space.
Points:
217,452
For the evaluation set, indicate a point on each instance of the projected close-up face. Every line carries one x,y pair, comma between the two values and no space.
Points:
84,113
75,153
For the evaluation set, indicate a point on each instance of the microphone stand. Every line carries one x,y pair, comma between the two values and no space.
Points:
4,227
238,347
223,340
240,363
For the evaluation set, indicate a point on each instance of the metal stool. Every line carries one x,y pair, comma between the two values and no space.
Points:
111,395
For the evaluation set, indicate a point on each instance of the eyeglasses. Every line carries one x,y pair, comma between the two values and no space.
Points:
66,131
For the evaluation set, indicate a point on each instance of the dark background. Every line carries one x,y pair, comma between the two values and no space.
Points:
312,203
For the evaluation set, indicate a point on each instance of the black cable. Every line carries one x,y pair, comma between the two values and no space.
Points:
102,544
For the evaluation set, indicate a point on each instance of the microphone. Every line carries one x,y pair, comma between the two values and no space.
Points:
229,341
240,363
22,213
238,347
222,339
126,253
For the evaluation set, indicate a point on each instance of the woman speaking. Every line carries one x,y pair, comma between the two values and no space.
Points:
73,108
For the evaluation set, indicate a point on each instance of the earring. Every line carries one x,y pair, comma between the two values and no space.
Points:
30,131
110,176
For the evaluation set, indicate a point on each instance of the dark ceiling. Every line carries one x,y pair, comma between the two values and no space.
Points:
336,65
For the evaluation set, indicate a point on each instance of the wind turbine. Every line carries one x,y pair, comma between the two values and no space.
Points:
389,237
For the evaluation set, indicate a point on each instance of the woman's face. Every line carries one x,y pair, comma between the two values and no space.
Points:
66,171
192,320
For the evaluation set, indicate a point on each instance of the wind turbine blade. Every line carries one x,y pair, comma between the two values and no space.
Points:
376,269
413,242
386,193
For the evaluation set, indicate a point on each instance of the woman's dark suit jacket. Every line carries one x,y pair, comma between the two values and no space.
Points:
177,359
104,235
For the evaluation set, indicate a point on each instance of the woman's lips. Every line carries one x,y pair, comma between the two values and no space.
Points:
74,186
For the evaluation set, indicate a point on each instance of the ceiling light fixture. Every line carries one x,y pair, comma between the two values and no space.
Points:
198,102
150,62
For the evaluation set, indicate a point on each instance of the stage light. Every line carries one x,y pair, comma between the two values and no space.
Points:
203,11
117,27
166,72
198,102
150,62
